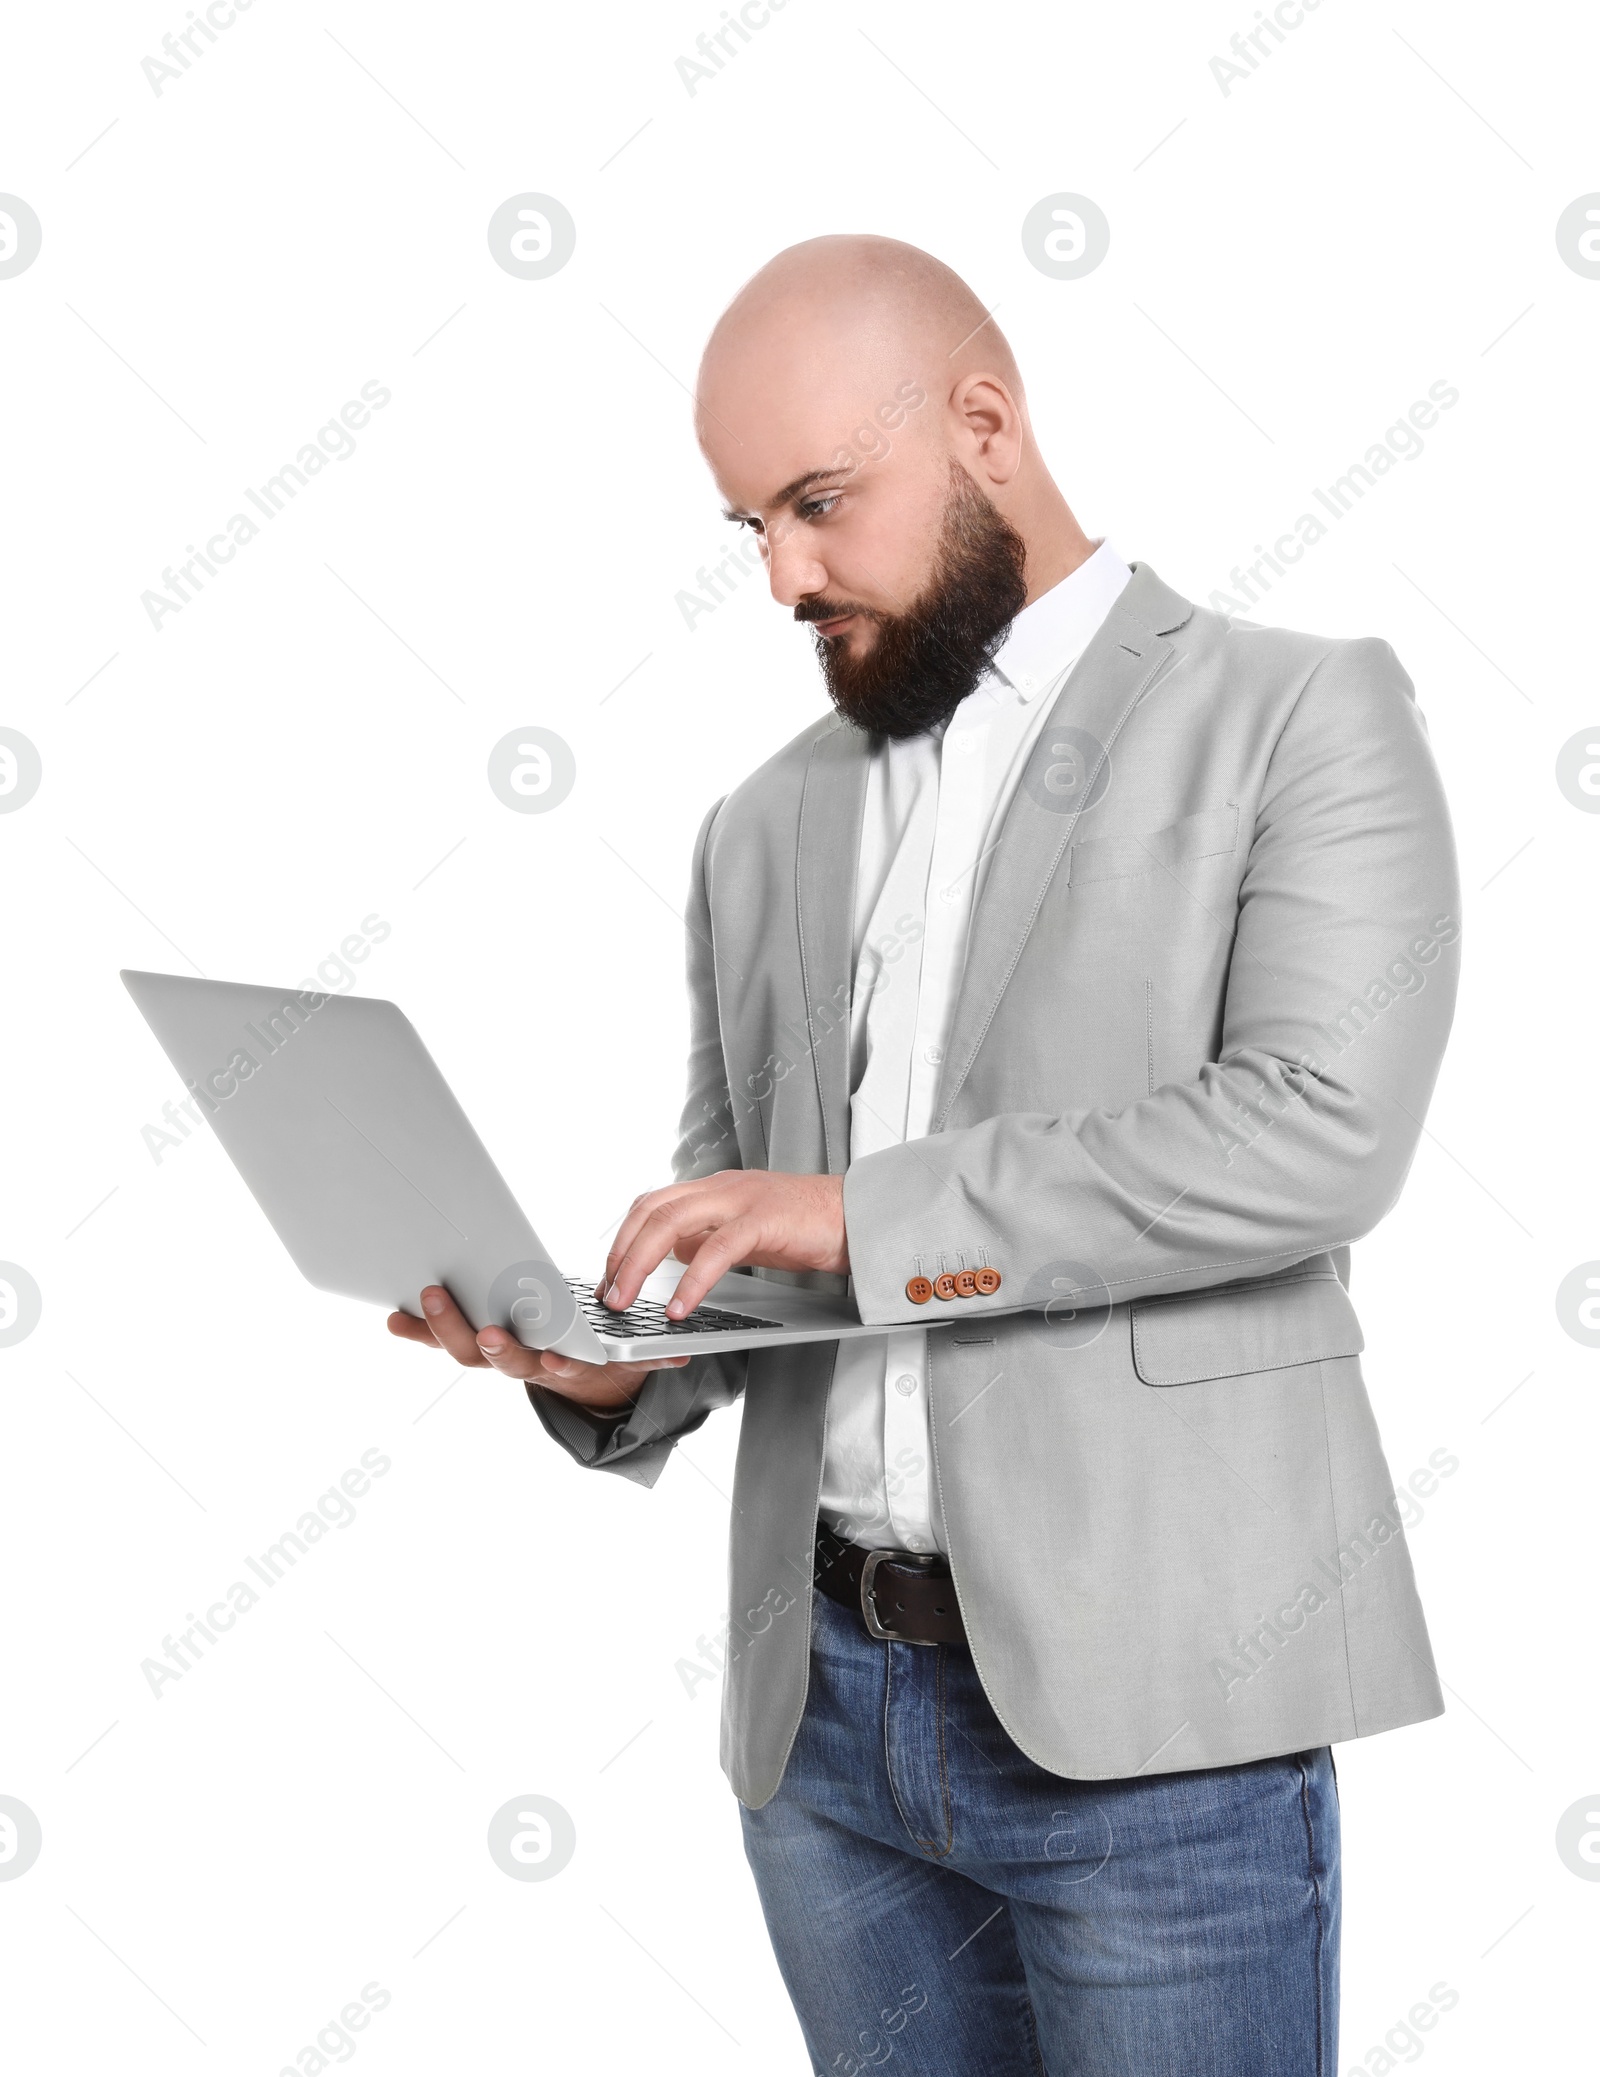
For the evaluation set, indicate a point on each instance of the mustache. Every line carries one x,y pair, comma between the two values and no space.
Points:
828,609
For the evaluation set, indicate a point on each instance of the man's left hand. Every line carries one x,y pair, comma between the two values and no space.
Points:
753,1216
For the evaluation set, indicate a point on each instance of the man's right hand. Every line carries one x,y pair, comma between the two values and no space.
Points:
604,1386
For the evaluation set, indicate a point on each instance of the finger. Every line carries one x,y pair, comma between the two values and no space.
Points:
408,1328
729,1244
606,1387
503,1352
637,1213
635,1216
544,1366
654,1241
450,1328
708,1199
628,1377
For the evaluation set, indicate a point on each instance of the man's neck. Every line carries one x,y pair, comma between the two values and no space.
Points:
1055,543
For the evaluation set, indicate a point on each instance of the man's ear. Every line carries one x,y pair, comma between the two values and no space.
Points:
988,415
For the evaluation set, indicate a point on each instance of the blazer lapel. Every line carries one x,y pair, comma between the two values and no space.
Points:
825,878
1106,684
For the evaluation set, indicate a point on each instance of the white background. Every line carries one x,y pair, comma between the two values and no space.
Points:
1291,265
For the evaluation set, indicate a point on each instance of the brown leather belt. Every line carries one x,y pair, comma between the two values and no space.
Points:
899,1597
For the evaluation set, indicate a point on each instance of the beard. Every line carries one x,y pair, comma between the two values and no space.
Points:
926,660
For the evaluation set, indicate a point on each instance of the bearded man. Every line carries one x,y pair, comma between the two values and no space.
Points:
1093,948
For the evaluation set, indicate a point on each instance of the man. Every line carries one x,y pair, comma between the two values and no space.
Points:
1096,952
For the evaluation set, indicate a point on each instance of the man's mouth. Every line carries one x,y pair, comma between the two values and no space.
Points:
833,627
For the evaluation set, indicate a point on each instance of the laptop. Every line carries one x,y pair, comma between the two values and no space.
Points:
350,1140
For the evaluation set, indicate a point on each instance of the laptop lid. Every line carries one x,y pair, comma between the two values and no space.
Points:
352,1143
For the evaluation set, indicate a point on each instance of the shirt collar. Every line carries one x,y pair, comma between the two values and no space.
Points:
1052,633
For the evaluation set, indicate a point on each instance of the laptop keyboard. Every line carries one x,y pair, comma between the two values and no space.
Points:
647,1317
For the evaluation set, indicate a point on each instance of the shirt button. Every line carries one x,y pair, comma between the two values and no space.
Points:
933,1055
916,1543
906,1385
947,894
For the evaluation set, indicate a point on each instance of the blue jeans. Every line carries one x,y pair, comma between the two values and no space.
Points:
942,1906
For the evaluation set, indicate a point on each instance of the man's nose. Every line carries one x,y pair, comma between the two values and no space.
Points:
794,571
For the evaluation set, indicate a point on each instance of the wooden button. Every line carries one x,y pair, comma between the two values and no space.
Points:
966,1284
919,1290
988,1281
944,1286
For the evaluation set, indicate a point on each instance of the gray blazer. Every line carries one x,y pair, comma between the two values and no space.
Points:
1210,977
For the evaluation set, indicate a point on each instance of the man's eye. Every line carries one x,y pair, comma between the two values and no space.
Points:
816,508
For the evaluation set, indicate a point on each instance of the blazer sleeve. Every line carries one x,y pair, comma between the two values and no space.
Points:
1297,1138
636,1441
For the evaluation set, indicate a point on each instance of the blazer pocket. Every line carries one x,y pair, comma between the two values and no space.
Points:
1205,835
1197,1335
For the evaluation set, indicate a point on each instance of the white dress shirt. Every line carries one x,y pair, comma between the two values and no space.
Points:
934,808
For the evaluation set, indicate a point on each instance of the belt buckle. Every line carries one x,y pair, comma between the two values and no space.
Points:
869,1611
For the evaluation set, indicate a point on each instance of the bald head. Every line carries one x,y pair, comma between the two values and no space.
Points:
858,307
855,403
